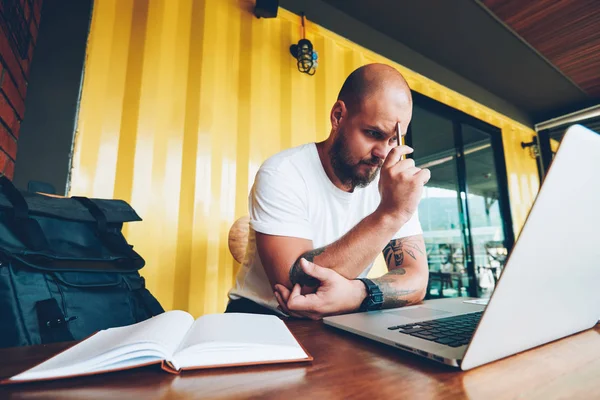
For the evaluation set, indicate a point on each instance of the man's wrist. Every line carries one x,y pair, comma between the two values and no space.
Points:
391,221
360,292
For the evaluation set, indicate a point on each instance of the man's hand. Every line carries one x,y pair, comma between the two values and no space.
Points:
335,294
401,184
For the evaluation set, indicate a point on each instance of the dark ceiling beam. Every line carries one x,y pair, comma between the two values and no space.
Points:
466,39
483,4
359,32
565,32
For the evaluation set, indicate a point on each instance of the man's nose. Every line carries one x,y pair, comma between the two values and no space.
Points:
381,150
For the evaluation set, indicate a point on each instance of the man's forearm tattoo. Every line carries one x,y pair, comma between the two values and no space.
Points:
297,275
394,257
397,247
393,297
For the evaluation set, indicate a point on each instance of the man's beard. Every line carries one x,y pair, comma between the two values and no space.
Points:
346,169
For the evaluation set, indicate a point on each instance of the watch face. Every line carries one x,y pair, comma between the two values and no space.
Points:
378,298
373,302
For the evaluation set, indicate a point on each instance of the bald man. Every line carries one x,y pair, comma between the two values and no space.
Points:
320,213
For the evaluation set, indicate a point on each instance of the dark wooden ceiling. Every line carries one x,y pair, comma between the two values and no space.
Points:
565,32
545,64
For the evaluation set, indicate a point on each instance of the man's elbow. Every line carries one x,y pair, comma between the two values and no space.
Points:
282,275
415,297
298,276
279,277
424,284
420,295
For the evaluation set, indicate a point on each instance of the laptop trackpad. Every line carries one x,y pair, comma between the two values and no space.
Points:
419,313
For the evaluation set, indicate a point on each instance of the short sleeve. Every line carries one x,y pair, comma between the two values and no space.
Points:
278,204
411,228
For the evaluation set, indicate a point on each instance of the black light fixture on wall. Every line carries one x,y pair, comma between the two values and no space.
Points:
533,146
266,8
305,54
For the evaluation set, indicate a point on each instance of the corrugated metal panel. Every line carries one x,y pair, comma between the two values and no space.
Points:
183,100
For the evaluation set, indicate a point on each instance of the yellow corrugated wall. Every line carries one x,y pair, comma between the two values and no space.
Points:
184,99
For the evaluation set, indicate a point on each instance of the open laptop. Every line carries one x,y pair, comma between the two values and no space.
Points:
549,288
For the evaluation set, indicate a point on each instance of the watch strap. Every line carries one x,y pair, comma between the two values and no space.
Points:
374,299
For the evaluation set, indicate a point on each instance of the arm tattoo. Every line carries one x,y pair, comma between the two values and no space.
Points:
297,275
392,296
394,257
396,249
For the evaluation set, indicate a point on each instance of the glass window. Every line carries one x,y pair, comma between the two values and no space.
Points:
463,210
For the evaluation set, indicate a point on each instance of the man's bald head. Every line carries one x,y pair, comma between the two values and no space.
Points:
369,80
373,105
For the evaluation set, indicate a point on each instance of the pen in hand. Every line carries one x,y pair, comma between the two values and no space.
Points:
399,138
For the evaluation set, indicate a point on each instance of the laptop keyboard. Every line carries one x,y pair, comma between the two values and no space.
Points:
452,331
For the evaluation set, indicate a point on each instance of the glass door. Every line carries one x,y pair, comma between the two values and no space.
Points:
464,210
440,210
485,221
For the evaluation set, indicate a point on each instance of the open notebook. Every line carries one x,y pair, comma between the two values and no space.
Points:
177,342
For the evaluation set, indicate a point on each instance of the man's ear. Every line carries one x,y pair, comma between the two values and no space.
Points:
338,113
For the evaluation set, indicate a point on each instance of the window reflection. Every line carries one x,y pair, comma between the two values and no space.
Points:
460,227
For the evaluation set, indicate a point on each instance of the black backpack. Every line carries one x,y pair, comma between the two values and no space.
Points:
66,270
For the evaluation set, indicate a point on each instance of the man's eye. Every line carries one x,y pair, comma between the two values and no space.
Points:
374,134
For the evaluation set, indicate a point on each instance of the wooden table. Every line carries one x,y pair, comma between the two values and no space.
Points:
345,366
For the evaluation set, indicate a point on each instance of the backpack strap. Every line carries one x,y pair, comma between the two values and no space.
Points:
96,212
27,229
109,237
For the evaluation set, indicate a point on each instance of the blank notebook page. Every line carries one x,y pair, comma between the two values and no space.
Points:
239,329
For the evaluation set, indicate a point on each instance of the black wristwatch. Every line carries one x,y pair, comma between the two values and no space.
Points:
374,299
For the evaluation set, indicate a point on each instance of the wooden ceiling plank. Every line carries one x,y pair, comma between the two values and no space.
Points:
565,32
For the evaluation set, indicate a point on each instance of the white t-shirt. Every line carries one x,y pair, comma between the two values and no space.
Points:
293,196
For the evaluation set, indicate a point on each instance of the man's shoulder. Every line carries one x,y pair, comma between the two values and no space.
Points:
292,158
